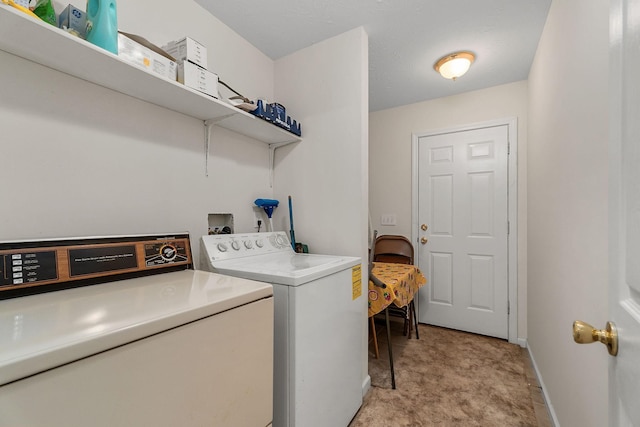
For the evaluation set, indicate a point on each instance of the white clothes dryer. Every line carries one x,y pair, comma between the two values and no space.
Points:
181,348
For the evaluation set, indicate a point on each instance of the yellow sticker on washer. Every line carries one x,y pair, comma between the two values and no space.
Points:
356,282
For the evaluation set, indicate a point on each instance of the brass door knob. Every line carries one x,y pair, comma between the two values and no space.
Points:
424,227
423,240
584,333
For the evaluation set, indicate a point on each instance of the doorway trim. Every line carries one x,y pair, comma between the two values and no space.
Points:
512,206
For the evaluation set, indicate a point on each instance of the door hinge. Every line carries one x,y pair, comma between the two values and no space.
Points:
508,148
508,227
508,307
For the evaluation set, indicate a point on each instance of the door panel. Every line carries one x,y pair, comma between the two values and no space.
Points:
482,282
462,198
441,275
624,212
481,198
442,212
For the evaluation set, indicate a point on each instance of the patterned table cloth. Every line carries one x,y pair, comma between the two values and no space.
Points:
402,280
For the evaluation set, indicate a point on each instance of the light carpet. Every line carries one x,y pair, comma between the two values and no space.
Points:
447,378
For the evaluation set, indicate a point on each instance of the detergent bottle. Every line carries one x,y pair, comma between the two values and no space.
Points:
102,24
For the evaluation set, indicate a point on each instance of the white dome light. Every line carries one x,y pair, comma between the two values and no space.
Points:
454,65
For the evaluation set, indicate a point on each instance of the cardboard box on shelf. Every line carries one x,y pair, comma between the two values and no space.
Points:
136,50
73,20
198,78
187,49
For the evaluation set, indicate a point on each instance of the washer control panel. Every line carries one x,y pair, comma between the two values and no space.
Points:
229,246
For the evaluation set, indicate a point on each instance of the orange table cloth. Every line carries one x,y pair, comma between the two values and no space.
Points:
402,280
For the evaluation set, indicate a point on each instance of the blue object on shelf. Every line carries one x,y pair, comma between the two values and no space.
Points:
276,114
102,24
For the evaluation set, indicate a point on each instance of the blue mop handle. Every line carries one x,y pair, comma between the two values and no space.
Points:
291,232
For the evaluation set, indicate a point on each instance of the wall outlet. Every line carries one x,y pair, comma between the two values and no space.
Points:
388,219
258,215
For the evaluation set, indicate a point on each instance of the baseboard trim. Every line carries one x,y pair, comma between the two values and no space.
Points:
545,394
366,386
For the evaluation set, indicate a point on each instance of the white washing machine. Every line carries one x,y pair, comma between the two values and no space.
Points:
182,348
318,324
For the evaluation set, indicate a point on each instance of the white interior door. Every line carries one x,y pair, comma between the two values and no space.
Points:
462,203
624,212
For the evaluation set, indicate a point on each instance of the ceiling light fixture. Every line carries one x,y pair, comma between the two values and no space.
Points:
454,65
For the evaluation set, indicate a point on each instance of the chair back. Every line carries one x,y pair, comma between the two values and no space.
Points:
377,282
393,248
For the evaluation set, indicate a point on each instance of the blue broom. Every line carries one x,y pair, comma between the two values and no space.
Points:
291,232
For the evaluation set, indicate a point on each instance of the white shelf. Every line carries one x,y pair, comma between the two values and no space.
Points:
44,44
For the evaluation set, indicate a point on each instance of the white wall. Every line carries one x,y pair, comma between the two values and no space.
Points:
327,84
567,244
390,157
327,173
78,159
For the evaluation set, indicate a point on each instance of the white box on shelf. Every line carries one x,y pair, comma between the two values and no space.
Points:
187,49
135,53
198,78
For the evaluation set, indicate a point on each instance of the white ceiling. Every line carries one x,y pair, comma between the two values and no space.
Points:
406,37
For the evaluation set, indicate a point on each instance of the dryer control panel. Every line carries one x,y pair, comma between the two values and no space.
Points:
35,266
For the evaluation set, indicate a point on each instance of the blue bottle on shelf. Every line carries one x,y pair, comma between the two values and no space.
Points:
102,24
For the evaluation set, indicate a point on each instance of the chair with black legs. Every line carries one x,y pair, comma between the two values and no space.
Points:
397,249
377,282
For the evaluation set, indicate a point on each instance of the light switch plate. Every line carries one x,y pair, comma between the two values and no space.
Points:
388,219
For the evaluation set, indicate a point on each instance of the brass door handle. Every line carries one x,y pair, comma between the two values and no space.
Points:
424,227
584,333
423,240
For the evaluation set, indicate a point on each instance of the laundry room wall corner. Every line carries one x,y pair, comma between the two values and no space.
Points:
326,85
